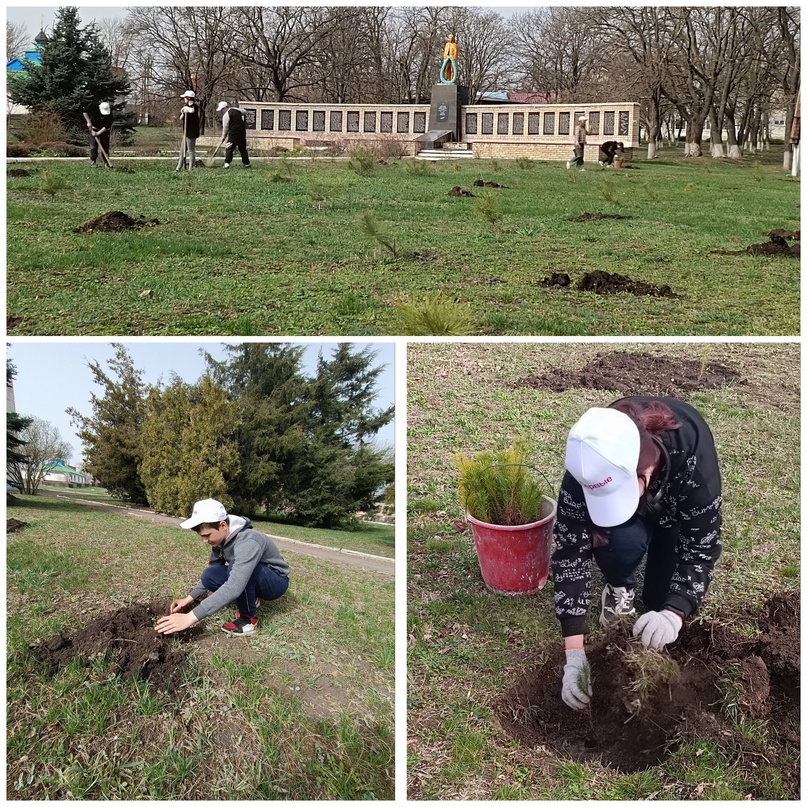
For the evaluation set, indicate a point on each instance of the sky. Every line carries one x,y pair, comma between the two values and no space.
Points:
52,376
35,17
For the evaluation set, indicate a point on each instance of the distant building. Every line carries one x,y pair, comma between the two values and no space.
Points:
62,474
17,65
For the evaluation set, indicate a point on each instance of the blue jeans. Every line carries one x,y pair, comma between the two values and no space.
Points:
627,545
265,583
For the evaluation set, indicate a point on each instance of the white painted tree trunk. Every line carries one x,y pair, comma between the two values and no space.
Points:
651,149
716,149
735,152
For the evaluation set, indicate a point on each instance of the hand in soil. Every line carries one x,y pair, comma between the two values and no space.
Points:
175,623
178,605
657,629
576,691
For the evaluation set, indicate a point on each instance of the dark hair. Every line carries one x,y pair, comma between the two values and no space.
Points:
652,418
211,525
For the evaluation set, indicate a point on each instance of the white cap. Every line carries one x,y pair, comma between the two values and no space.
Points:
602,454
581,118
188,94
207,511
222,105
103,108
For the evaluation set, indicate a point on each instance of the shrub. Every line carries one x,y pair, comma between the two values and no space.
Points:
18,149
42,127
59,148
435,316
362,162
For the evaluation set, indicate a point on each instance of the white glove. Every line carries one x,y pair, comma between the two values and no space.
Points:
576,675
657,629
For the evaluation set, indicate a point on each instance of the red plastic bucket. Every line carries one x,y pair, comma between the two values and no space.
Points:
514,560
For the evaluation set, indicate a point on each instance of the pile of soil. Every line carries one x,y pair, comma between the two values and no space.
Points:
22,172
128,635
688,705
601,282
13,524
114,221
480,183
557,280
458,191
637,374
596,217
777,244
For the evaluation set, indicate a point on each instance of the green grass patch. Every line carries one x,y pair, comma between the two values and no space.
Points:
300,263
301,710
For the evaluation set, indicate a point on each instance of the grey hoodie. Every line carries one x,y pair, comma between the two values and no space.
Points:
243,550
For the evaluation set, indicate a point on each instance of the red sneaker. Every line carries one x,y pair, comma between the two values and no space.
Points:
241,626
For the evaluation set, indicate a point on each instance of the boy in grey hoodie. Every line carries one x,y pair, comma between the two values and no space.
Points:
245,566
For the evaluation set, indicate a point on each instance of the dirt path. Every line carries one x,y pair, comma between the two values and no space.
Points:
347,557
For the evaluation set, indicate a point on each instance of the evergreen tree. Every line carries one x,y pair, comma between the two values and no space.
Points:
76,70
112,435
189,447
266,385
15,425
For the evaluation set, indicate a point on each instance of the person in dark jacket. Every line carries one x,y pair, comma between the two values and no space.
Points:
245,566
608,150
99,123
190,119
234,131
642,479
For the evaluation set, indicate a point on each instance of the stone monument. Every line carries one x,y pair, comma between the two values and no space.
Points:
447,96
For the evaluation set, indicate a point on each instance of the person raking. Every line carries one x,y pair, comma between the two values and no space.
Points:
245,566
642,479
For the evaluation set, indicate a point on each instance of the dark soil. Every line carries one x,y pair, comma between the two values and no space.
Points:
128,636
776,245
480,183
766,670
636,374
22,172
13,524
557,280
602,282
458,191
596,217
114,221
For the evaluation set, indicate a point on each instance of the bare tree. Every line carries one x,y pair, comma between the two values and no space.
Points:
188,47
281,44
43,446
556,53
17,40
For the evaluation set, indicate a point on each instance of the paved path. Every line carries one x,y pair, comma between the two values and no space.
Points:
361,560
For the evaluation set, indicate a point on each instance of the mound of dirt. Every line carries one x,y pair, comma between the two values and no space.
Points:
128,635
480,183
21,172
557,280
601,282
458,191
633,725
776,245
596,217
13,524
636,374
114,221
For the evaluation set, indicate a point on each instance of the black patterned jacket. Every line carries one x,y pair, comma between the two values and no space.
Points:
691,499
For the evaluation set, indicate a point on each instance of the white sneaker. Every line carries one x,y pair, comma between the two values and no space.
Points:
226,165
617,602
568,164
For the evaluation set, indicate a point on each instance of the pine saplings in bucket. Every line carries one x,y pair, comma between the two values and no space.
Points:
511,515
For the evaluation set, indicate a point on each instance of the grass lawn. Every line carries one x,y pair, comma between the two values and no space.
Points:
280,249
301,710
468,646
372,538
